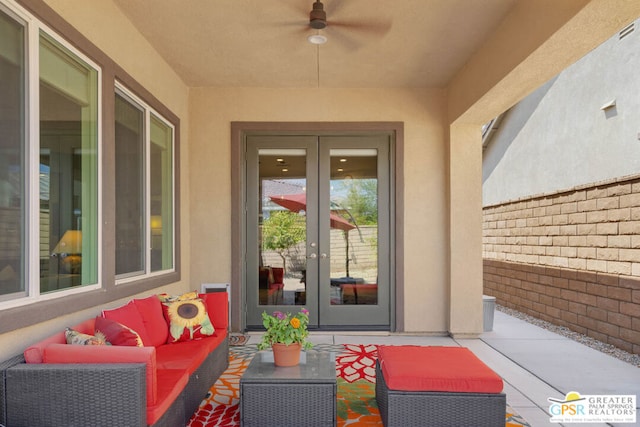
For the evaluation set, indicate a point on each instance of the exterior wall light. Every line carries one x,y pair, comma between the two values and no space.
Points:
608,105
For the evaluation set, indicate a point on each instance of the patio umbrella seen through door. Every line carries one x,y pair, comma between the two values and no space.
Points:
298,203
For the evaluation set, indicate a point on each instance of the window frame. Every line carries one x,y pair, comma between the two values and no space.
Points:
26,313
129,96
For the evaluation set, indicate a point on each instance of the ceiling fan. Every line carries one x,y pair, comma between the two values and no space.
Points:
318,21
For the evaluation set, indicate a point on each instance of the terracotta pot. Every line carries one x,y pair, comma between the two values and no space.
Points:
286,355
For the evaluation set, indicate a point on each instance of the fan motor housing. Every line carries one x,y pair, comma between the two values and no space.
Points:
317,16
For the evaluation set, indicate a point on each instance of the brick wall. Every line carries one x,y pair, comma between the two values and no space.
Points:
571,258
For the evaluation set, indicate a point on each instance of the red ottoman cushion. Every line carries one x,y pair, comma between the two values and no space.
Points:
448,369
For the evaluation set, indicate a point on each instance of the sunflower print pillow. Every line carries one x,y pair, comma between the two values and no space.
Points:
187,317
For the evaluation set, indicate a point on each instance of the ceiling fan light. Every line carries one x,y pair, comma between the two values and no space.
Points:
317,39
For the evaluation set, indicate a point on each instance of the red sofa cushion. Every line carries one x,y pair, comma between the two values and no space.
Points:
186,355
218,309
448,369
171,382
64,353
150,310
34,353
129,316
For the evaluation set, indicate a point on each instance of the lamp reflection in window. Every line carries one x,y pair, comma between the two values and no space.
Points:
156,224
69,251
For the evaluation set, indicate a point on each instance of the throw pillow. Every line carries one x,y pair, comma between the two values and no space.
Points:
129,316
117,333
150,310
186,316
78,338
217,308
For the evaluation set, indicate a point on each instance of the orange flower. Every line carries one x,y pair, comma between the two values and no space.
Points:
295,322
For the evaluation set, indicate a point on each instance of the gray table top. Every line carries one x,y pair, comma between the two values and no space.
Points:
314,366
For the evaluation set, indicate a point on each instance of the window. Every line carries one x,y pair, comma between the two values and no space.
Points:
68,169
144,189
49,187
57,165
161,206
12,158
130,200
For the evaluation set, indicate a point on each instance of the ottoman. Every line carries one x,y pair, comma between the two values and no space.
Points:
437,386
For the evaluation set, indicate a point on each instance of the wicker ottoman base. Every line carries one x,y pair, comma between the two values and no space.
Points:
296,396
438,409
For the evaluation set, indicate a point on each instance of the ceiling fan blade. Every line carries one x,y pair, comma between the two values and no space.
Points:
342,39
298,24
379,28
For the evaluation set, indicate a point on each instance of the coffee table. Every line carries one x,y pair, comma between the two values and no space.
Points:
302,395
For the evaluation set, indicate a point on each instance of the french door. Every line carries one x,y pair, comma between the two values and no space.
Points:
318,232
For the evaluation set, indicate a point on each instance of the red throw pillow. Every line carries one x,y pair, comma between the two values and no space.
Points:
118,334
129,316
217,308
150,310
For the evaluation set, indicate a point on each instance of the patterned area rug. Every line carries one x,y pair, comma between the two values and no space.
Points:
355,370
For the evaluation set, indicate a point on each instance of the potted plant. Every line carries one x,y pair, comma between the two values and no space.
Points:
286,334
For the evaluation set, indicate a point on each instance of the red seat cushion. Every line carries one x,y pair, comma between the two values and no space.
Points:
448,369
171,382
186,355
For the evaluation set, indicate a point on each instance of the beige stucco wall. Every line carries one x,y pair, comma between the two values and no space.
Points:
98,21
423,114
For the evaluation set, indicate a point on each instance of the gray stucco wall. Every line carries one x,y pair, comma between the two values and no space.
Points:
560,137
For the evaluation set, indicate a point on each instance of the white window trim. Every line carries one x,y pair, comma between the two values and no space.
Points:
148,110
33,27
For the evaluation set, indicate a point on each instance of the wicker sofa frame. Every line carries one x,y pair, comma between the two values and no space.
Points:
80,395
438,409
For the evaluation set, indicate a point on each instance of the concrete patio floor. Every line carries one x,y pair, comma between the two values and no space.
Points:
534,363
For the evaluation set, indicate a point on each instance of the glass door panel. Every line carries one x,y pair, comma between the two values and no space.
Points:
283,225
353,240
278,174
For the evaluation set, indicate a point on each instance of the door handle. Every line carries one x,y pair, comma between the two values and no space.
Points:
312,256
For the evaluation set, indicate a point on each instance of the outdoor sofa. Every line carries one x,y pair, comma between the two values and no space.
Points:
159,384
